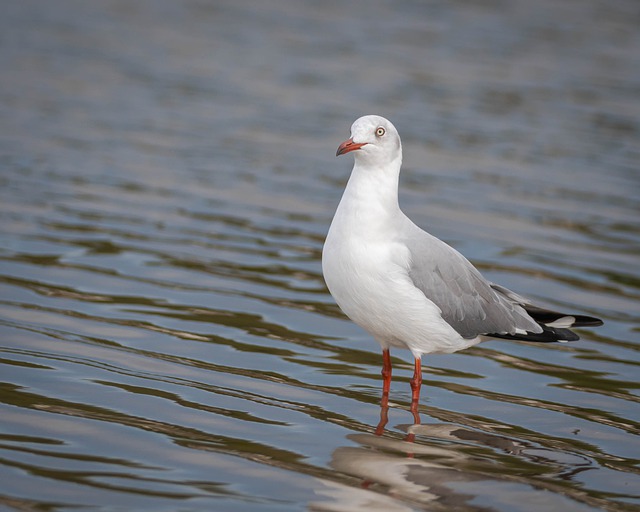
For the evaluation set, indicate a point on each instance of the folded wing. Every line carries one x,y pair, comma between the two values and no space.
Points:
473,306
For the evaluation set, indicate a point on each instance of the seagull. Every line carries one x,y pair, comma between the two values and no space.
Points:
407,288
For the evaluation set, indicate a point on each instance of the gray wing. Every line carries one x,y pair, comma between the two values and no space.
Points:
469,303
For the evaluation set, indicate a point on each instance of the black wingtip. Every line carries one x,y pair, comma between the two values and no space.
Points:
586,321
551,334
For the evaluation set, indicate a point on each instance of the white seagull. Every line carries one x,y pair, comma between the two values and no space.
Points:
407,288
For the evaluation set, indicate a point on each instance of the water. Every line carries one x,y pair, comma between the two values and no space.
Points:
168,177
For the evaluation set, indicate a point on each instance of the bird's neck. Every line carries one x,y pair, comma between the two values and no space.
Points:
372,192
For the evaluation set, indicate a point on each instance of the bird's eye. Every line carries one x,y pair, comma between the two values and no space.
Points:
380,131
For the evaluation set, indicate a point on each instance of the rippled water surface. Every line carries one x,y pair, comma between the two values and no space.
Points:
167,179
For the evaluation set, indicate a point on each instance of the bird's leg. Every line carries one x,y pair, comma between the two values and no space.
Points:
386,375
416,415
416,383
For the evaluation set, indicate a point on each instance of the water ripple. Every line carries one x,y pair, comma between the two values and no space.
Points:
167,182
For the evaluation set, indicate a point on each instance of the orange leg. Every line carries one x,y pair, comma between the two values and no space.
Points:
386,386
386,375
416,383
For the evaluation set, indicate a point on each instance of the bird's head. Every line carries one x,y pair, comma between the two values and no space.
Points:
375,141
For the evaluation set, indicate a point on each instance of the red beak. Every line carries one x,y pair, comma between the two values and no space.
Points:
348,145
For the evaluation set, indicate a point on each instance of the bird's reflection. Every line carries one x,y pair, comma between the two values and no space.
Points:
394,472
408,470
447,463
